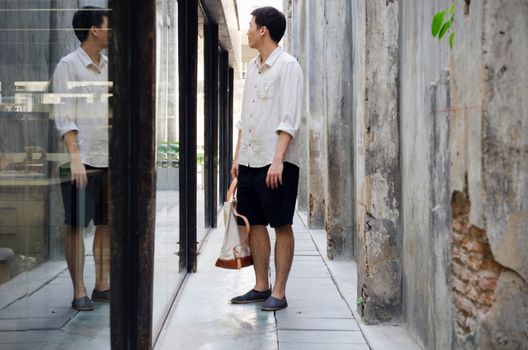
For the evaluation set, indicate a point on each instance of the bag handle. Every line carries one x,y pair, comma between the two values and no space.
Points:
231,194
231,190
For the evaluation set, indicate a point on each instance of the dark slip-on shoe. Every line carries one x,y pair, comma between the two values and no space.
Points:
252,296
82,304
274,304
98,295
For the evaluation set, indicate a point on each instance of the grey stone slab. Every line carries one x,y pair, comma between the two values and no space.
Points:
321,337
330,346
26,309
28,282
309,302
306,253
13,337
317,312
314,297
310,281
321,324
305,244
24,346
31,323
308,258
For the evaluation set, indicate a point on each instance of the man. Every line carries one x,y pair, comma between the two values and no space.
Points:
81,82
266,158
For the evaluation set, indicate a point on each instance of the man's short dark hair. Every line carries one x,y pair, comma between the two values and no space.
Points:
85,19
272,19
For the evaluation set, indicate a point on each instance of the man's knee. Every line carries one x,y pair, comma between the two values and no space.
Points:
284,229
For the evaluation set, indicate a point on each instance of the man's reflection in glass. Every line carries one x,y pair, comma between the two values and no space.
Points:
81,82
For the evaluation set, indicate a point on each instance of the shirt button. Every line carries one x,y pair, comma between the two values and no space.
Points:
253,101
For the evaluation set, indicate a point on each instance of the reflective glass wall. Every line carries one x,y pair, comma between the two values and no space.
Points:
201,169
54,122
167,275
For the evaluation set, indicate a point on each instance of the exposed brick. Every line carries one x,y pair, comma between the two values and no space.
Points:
488,283
460,204
467,306
487,299
476,246
471,324
477,233
459,227
459,285
491,265
461,319
461,271
473,295
474,261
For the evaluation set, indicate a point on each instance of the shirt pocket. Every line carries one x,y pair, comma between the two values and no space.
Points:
266,90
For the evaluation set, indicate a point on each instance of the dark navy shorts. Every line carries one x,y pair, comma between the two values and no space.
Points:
81,205
262,205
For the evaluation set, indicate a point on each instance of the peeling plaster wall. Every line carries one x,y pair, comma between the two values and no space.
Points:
439,188
377,145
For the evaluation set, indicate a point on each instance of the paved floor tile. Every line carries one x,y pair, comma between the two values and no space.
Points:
328,346
317,324
321,337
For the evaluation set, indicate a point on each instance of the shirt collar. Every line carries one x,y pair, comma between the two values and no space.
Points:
87,61
272,58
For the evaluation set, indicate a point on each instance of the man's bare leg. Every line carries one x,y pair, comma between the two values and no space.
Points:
74,251
284,249
101,252
260,246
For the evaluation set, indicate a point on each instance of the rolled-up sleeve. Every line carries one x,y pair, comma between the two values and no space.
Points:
64,111
291,99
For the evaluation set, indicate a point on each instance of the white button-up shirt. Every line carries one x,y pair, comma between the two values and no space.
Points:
81,86
272,102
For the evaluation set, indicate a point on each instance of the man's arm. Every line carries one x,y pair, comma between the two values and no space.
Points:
65,122
78,172
291,97
274,176
234,167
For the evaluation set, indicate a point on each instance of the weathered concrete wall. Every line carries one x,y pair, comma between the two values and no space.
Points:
439,173
325,28
315,101
337,49
296,10
489,173
377,184
424,134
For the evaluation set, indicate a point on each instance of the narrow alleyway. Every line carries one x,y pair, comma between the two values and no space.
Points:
317,316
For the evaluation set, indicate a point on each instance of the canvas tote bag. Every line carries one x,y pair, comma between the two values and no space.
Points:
235,252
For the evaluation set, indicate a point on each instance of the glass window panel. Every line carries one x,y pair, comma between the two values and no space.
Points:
200,139
167,276
43,214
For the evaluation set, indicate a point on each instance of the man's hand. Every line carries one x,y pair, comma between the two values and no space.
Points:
78,174
274,177
234,170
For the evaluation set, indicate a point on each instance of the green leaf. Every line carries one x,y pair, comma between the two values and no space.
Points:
452,8
444,29
451,39
438,19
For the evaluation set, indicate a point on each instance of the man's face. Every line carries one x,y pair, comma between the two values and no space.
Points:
254,34
101,33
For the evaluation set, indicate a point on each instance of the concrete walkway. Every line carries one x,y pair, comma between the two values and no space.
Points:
317,316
